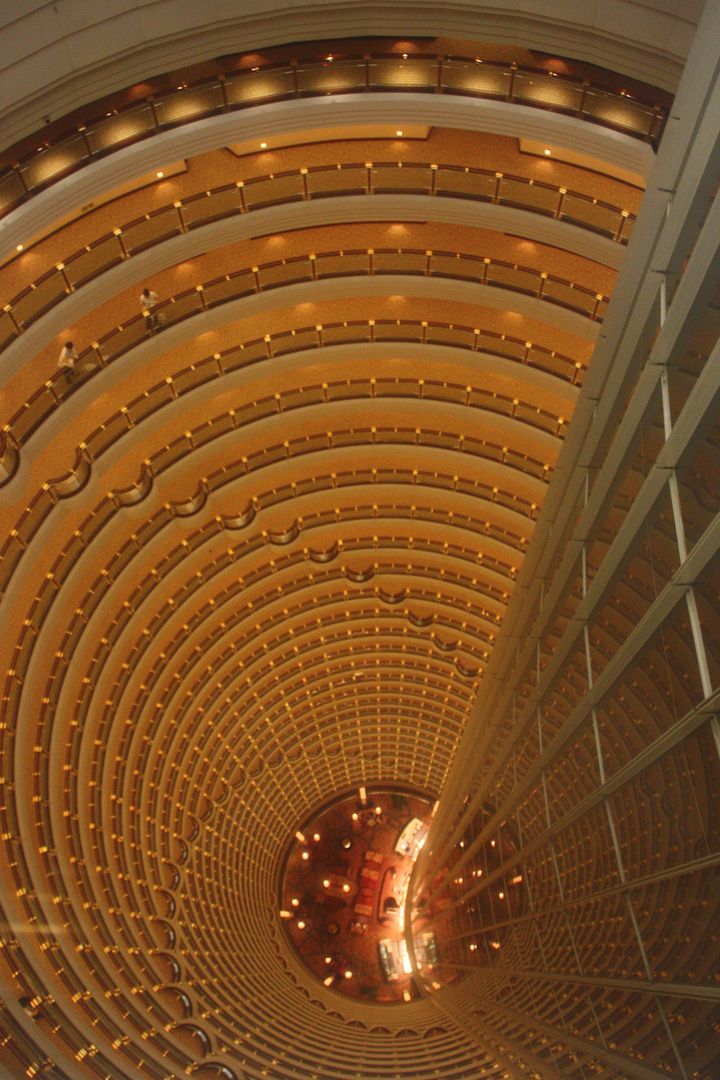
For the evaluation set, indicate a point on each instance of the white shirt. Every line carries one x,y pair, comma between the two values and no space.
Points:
67,357
147,303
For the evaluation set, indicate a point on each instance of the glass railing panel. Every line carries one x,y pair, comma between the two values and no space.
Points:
330,77
349,179
217,204
537,418
336,335
547,90
283,274
187,104
303,339
620,112
563,293
392,178
335,265
250,354
491,403
460,336
89,263
521,193
34,412
11,190
535,468
253,86
265,192
181,307
8,331
393,332
510,278
51,163
343,391
593,215
464,184
124,338
418,73
127,126
399,262
466,76
149,230
556,365
195,376
227,288
104,437
457,266
143,407
494,343
38,299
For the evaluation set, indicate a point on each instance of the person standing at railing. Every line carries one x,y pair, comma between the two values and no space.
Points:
67,358
148,303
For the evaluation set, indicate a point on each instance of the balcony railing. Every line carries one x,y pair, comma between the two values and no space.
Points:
306,268
298,185
468,77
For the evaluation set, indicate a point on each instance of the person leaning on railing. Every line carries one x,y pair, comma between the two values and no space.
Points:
148,303
69,358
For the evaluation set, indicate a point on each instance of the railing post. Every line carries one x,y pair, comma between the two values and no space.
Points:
117,233
181,219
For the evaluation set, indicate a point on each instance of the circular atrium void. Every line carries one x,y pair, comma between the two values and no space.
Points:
344,885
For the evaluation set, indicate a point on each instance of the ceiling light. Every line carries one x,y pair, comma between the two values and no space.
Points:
19,247
546,153
160,174
301,924
398,132
263,145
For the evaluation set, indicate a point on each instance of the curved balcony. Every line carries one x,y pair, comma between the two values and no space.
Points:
370,262
115,128
300,185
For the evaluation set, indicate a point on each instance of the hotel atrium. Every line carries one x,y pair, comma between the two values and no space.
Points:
360,555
